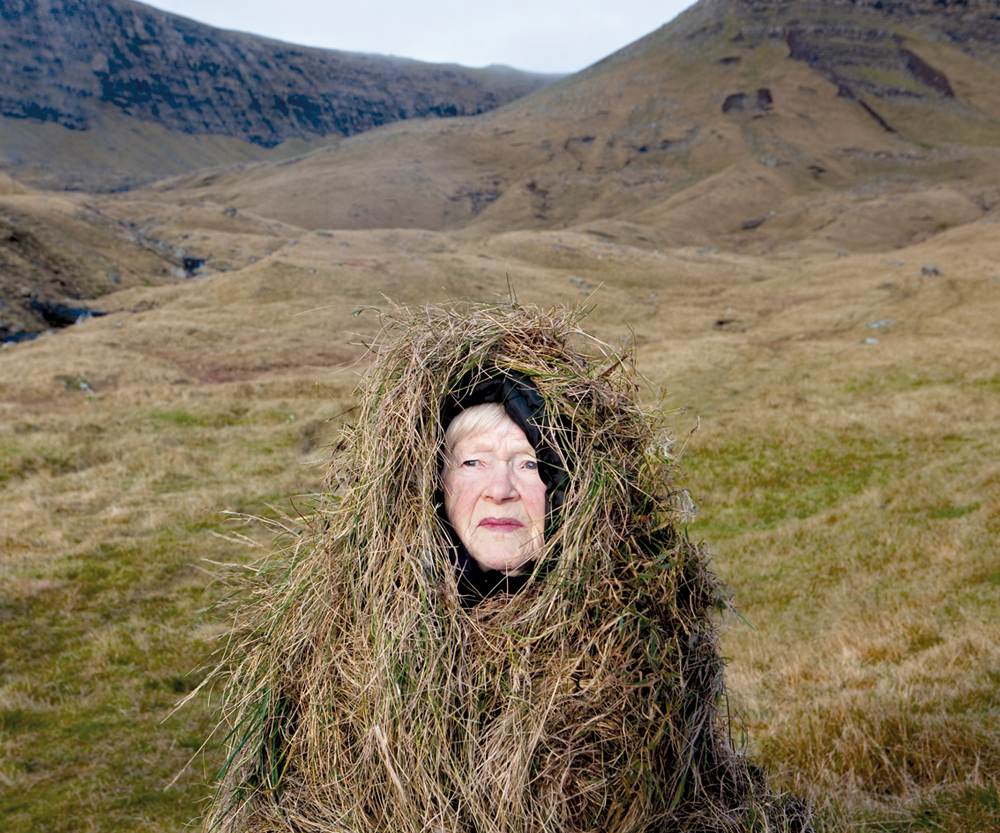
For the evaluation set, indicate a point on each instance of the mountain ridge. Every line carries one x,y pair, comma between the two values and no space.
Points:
734,108
801,129
78,63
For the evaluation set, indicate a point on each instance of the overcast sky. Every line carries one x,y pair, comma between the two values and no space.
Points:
539,35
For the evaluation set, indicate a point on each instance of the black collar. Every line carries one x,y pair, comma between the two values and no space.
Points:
476,584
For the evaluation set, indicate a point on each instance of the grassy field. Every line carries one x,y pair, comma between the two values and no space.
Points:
856,520
846,471
111,522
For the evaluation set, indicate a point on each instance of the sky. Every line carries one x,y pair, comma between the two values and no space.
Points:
537,35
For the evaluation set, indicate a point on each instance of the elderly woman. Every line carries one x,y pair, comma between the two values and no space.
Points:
495,624
498,486
493,496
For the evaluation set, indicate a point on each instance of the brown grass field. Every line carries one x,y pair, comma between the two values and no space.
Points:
849,491
838,405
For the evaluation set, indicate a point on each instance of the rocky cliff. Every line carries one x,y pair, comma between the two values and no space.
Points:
860,46
59,59
79,63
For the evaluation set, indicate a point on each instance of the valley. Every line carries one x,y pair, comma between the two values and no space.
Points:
789,221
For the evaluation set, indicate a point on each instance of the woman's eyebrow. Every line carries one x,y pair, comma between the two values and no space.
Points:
488,448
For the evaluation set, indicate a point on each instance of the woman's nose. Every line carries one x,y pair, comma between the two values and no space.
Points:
501,483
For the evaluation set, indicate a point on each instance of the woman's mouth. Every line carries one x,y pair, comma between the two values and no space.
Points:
501,524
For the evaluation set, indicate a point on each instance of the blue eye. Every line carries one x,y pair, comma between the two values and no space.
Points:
531,464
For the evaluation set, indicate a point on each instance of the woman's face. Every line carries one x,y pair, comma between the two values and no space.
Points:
494,498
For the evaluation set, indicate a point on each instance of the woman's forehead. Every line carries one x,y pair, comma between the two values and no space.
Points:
506,434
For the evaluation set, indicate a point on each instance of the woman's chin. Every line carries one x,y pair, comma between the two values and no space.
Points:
510,564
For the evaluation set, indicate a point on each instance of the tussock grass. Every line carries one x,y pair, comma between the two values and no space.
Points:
109,514
866,566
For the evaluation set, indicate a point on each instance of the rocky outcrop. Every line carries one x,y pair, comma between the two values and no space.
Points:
866,60
972,24
741,102
64,61
34,281
864,47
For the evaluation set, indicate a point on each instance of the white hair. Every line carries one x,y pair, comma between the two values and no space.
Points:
475,420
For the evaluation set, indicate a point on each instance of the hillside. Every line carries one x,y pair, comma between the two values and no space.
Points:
104,94
760,126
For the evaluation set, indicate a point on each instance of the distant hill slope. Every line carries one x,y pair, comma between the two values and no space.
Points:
741,123
85,64
780,128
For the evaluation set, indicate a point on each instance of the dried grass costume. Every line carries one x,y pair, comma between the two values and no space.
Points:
370,694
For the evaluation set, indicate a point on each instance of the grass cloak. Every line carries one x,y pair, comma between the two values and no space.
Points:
363,696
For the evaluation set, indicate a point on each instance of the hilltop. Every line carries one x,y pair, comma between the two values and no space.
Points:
106,94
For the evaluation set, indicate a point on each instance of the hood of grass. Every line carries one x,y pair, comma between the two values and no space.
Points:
364,696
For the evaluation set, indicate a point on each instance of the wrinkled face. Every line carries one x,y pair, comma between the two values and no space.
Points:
494,498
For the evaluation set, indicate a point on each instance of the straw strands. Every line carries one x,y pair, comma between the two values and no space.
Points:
363,696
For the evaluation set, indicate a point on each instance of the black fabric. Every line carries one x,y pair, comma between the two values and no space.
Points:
475,583
524,405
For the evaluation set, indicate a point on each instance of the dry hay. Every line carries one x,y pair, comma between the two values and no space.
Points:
364,696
